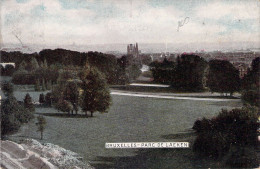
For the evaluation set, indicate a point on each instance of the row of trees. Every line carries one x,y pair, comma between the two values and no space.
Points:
193,73
30,67
187,73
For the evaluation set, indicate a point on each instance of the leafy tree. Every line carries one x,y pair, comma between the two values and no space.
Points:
223,77
71,94
43,85
162,72
251,84
45,65
189,73
48,85
7,88
13,115
96,95
9,70
234,129
41,124
28,103
37,85
33,64
22,65
41,98
64,106
48,99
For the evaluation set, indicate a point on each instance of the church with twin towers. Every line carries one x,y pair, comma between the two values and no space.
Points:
132,49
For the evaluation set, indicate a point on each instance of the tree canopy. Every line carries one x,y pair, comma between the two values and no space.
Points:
223,77
95,95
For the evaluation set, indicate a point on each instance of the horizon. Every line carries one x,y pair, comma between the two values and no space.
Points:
144,47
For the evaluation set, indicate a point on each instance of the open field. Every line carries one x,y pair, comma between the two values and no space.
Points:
134,119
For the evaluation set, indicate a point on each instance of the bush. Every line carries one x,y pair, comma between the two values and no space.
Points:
216,136
23,78
245,157
252,97
13,115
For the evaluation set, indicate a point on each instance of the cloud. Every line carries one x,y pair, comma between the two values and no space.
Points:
113,21
238,10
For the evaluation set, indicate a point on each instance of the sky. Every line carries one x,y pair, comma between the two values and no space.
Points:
83,22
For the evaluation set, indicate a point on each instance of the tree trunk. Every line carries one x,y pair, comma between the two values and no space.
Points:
91,113
41,135
86,114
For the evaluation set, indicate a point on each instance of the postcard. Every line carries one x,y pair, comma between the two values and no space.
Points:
130,84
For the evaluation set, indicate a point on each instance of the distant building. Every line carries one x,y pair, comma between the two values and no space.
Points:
133,50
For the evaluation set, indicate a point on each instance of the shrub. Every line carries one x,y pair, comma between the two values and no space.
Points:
13,115
216,136
252,97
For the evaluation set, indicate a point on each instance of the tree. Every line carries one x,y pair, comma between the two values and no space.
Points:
189,72
162,72
13,115
37,85
251,84
41,98
22,66
96,95
64,106
28,103
48,85
34,64
9,70
223,77
43,85
229,130
41,123
48,99
45,65
7,88
71,94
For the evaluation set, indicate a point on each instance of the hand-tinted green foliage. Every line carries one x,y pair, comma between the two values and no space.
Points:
223,77
71,94
49,99
43,85
186,74
251,96
96,95
64,106
41,98
7,88
28,103
251,84
127,70
48,62
8,70
13,115
37,85
41,123
230,129
189,73
163,72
